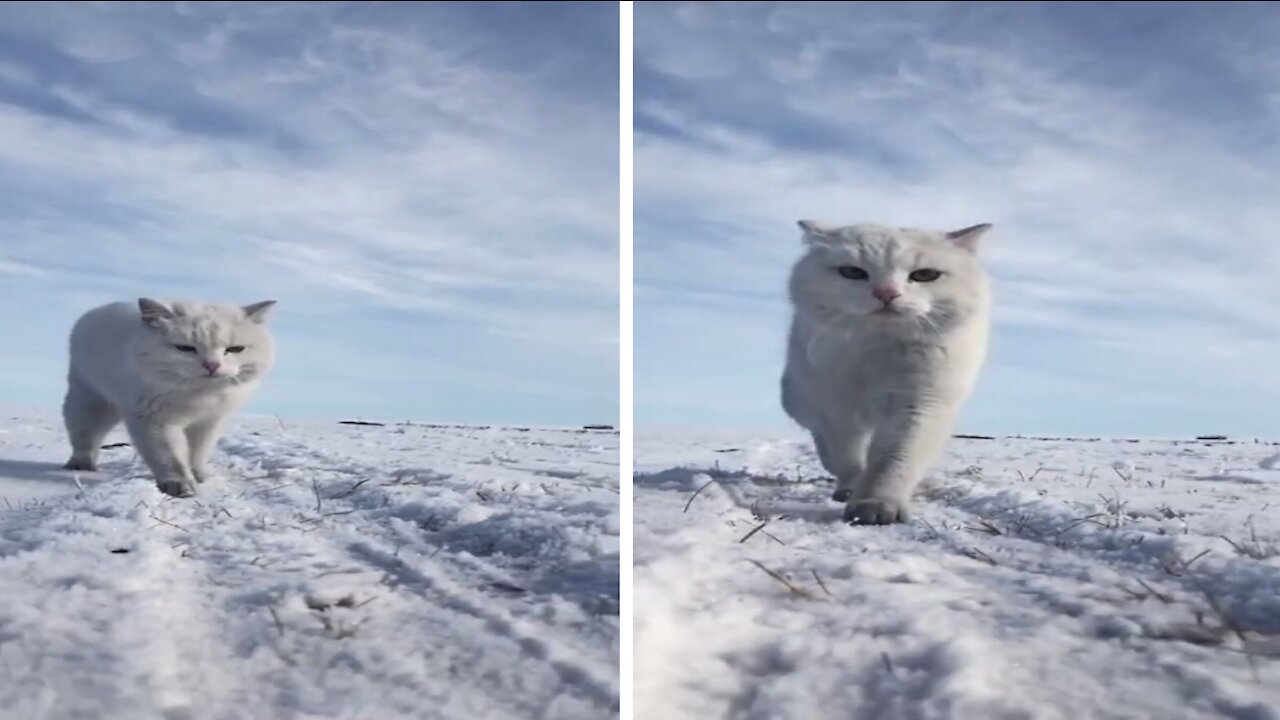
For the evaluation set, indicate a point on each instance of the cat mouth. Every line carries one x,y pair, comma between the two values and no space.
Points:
892,312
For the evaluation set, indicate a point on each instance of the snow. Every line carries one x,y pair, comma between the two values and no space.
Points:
1039,579
334,572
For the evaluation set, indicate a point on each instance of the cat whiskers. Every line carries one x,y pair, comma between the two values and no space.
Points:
928,320
933,319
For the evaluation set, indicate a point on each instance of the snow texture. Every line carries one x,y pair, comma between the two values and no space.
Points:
1040,579
335,571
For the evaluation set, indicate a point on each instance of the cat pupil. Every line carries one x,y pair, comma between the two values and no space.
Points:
924,275
852,272
185,348
235,349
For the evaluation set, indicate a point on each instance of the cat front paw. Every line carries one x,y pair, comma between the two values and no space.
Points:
876,511
205,475
81,464
177,487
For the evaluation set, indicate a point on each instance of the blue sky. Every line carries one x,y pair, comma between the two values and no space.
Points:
1126,153
429,190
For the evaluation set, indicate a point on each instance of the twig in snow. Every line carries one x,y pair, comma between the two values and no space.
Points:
1230,624
315,487
1024,478
350,571
696,493
821,584
1166,599
162,521
1175,565
349,490
754,530
267,490
985,526
772,537
932,529
1252,549
977,554
1077,523
790,586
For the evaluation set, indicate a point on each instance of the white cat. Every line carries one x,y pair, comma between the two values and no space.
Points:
173,372
888,334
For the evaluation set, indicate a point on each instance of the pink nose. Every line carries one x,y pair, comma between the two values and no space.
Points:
886,295
212,367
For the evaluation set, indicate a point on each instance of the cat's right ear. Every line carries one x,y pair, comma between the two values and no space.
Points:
153,312
813,230
968,237
257,312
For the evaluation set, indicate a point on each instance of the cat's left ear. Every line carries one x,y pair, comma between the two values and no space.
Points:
967,238
153,312
257,312
813,230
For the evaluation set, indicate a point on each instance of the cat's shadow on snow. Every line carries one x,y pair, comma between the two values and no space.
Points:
807,512
691,479
30,471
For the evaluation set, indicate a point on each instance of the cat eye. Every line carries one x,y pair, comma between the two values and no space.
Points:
924,275
233,349
185,348
852,272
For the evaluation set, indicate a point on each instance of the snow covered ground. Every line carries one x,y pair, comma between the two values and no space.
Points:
1040,579
367,573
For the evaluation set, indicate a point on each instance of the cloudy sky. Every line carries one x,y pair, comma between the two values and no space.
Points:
1126,153
429,190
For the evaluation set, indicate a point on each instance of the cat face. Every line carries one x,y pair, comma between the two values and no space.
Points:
198,344
894,277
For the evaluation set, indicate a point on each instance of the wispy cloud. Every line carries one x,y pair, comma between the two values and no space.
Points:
428,188
1125,152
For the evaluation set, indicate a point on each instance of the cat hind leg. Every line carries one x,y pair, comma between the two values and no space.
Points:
88,417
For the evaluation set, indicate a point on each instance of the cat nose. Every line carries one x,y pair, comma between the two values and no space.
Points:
211,366
886,294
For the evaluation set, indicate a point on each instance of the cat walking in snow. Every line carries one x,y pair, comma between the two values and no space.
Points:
172,372
888,334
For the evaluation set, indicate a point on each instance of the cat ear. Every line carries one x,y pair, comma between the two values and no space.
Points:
967,238
257,312
153,312
813,229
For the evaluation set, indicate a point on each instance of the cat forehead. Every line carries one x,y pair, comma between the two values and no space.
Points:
207,323
203,329
223,314
886,246
883,236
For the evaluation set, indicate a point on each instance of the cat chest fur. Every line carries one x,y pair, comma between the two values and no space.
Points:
187,405
874,377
